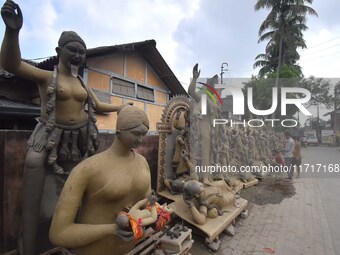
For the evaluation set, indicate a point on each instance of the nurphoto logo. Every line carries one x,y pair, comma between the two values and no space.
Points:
287,95
211,91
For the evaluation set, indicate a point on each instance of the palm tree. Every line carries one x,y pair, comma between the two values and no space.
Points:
267,63
283,28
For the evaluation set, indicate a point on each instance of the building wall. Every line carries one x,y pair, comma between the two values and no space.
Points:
12,158
133,68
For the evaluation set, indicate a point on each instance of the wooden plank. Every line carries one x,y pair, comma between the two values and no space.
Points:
213,227
250,183
150,241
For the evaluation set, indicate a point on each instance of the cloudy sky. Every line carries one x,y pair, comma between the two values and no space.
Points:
208,32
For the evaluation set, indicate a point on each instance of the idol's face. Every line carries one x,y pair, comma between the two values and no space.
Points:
132,138
72,53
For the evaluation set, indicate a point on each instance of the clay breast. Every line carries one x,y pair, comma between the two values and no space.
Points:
71,90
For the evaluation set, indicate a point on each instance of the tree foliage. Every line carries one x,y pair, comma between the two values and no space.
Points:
320,90
283,29
262,90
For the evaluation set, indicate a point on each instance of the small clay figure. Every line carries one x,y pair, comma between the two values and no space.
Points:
176,231
181,158
137,218
144,213
206,201
175,186
252,149
181,155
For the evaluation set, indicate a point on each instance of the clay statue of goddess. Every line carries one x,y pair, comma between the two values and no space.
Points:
66,132
102,186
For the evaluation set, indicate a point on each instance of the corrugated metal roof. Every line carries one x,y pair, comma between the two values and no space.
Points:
14,107
5,74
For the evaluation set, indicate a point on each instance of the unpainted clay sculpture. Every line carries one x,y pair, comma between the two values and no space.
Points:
203,139
144,213
102,186
175,163
206,201
66,132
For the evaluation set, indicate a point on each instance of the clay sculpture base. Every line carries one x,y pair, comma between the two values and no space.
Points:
177,245
213,226
250,183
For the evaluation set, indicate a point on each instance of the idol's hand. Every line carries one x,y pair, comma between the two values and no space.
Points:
196,72
12,15
125,235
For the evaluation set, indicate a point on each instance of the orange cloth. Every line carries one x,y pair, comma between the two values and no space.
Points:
136,226
163,216
158,207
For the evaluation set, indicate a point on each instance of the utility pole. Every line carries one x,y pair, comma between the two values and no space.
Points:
318,132
223,70
298,124
335,121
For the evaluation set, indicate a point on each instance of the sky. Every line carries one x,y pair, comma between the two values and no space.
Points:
207,32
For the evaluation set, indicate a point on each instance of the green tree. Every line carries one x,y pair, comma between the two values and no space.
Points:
283,29
320,90
267,63
293,40
262,91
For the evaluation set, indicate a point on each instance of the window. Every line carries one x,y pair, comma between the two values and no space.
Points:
145,93
127,88
122,87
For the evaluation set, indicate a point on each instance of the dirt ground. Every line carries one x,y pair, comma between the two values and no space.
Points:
271,190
